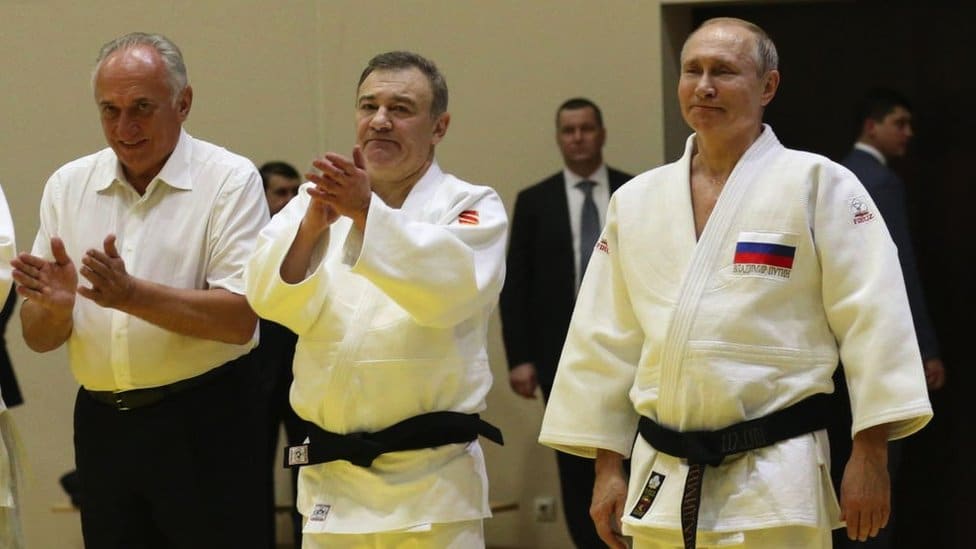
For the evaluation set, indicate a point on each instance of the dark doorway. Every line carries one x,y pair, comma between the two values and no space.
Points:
831,52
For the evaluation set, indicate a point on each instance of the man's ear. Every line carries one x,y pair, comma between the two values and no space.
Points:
770,85
440,127
867,129
184,102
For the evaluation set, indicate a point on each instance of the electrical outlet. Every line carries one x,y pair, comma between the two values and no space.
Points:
545,509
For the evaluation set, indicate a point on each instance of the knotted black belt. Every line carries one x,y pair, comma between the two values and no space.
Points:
424,431
701,448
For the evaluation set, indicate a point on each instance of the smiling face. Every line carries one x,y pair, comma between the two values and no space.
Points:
140,119
394,126
720,90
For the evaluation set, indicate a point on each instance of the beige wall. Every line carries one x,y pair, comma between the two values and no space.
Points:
275,80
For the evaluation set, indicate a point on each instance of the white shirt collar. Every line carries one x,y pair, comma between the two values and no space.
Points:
600,177
175,172
861,146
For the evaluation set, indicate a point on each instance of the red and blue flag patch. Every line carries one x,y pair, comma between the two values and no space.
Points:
764,254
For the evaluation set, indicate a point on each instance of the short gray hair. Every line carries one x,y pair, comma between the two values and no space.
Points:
766,57
167,50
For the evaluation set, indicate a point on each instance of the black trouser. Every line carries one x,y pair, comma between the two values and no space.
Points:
184,473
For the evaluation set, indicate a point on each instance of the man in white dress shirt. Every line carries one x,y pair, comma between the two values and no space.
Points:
158,226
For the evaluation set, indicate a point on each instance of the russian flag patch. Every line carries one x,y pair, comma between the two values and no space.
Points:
764,254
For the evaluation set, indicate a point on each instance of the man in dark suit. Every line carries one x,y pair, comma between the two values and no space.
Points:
553,233
884,127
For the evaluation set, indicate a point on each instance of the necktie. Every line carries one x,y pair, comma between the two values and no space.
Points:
589,225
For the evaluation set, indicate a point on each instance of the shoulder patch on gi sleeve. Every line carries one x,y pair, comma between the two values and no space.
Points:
860,210
468,217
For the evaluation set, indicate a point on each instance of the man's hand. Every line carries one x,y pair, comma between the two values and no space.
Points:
48,284
609,497
320,214
865,493
523,380
343,184
111,285
935,375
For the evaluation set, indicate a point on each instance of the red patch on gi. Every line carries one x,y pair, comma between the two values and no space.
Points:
603,246
468,217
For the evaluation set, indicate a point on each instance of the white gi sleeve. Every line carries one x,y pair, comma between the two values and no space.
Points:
295,306
867,307
589,407
441,271
8,246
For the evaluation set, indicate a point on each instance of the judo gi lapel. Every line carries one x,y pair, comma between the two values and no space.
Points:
369,299
706,254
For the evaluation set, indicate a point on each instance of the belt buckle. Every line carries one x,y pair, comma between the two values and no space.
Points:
120,404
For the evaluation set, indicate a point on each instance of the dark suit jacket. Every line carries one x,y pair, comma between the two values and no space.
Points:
888,192
540,282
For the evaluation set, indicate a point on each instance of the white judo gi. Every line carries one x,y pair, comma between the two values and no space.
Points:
794,271
391,323
11,535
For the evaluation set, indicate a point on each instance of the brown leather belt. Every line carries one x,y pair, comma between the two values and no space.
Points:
140,398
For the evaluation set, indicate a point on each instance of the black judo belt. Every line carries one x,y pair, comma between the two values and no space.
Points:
702,448
424,431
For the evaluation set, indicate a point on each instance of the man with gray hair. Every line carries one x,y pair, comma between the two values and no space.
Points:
724,290
388,269
158,226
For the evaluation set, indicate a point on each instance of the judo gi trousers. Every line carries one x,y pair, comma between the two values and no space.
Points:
451,535
792,537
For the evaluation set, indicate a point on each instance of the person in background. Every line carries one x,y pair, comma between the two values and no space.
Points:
554,230
884,129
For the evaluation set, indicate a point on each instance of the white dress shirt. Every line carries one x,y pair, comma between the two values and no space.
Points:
194,227
861,146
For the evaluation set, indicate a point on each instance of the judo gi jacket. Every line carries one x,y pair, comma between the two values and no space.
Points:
793,271
392,323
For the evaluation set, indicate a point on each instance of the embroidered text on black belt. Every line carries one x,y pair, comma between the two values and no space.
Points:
424,431
701,448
